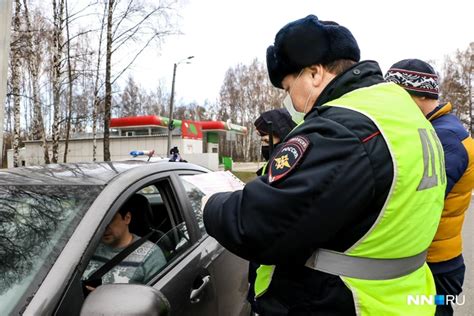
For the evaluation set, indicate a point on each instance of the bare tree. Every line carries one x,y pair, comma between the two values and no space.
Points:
5,23
55,94
16,56
96,101
156,102
457,84
58,24
108,80
70,86
137,22
34,60
245,93
132,98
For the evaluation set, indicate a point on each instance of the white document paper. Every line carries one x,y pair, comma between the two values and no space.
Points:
213,182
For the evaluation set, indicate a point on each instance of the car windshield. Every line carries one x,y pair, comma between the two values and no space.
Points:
35,224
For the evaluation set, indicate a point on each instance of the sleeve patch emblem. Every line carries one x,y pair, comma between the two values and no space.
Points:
287,158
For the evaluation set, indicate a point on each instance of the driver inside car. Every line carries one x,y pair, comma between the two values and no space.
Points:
139,266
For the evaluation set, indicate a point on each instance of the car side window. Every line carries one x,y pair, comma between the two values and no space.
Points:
195,198
147,233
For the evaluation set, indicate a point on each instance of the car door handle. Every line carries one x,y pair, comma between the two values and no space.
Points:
195,296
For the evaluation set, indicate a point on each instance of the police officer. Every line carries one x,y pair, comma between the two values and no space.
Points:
273,126
175,156
352,198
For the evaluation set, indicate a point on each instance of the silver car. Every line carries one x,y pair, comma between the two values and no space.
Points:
52,219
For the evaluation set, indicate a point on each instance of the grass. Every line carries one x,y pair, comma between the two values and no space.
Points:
245,176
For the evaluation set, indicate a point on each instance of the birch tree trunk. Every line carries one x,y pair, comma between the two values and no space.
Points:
58,11
108,82
70,81
94,128
16,84
96,101
5,24
33,68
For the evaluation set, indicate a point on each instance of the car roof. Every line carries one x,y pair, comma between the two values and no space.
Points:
88,173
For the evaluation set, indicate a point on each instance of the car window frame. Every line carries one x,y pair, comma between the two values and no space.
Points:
186,201
180,197
194,232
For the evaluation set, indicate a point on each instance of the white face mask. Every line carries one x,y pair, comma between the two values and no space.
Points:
296,116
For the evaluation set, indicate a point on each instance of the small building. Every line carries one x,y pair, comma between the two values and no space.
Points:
198,141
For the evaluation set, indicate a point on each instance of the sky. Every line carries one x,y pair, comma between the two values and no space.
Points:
223,33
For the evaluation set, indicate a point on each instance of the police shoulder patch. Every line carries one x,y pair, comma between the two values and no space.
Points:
287,158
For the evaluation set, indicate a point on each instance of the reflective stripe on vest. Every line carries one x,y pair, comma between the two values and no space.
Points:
338,263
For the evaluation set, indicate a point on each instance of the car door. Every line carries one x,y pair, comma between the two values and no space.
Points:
187,283
228,272
185,273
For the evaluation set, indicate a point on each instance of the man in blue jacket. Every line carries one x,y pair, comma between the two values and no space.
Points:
445,258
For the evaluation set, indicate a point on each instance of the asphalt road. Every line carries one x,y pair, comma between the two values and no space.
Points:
468,289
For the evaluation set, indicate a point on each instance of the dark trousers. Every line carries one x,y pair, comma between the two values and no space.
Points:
449,283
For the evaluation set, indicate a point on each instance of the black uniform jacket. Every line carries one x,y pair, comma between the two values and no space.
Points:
329,199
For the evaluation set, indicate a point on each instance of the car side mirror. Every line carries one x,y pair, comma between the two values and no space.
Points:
125,299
